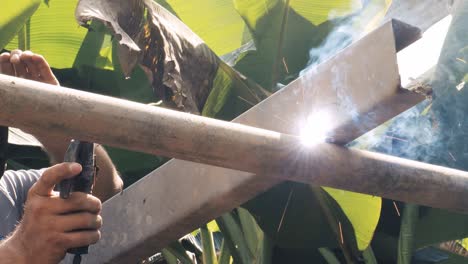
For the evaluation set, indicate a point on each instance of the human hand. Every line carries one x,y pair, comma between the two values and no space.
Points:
28,65
51,225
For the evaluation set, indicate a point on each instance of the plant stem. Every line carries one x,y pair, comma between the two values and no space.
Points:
407,233
209,252
234,238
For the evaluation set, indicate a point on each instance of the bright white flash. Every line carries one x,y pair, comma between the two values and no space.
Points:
316,128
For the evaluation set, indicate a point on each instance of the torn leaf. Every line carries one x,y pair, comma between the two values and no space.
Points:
177,62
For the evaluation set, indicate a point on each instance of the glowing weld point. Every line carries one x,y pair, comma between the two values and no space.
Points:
316,128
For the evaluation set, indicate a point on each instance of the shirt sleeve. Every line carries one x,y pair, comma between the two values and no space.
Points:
14,187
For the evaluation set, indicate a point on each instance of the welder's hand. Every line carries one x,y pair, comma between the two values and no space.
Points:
51,225
25,64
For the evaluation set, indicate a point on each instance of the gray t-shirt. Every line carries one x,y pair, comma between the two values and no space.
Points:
14,187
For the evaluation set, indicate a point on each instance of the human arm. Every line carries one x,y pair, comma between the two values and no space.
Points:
51,225
34,67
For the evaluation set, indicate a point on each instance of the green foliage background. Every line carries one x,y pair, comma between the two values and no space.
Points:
311,222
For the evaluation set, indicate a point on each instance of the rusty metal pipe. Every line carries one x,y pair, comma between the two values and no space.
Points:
36,106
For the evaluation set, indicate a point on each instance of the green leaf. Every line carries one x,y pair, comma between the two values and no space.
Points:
407,233
363,211
285,31
339,223
256,240
437,225
13,16
264,251
222,90
96,50
54,32
385,246
177,250
212,227
220,27
289,214
293,221
225,254
369,257
169,257
234,238
252,233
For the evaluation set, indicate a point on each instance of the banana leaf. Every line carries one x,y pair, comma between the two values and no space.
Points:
285,31
54,33
181,68
13,17
215,21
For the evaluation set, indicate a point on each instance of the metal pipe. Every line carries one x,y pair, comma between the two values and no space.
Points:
36,106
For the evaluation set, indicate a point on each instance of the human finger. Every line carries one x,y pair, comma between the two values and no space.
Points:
45,72
77,202
81,238
20,67
5,65
32,71
79,221
52,176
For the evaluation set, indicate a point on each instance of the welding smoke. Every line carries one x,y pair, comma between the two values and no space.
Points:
436,132
344,31
409,135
